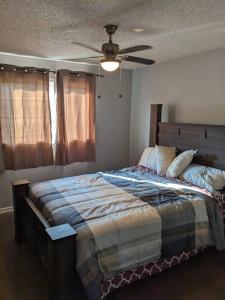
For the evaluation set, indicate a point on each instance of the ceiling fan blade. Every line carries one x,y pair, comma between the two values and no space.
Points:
87,46
134,49
83,58
139,60
92,60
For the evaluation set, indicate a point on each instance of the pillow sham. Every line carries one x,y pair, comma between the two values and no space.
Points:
148,158
215,178
180,163
204,177
164,156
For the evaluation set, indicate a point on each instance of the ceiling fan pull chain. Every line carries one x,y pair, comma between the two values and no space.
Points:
120,94
99,80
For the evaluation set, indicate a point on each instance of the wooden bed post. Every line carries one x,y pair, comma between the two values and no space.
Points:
61,257
55,246
155,118
20,190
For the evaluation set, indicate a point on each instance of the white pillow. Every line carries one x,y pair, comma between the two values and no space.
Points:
207,178
164,155
214,182
215,178
144,157
148,158
193,171
180,163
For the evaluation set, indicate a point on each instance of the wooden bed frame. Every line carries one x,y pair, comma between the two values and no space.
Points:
56,246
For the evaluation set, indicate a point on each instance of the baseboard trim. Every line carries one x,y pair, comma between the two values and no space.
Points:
5,210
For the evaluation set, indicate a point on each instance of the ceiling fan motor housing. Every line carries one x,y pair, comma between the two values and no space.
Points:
110,48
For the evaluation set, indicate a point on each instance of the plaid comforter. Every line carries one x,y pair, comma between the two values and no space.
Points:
127,218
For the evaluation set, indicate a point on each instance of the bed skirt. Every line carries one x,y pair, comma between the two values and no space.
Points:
157,266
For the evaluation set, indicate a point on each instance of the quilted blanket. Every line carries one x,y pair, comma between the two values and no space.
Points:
128,218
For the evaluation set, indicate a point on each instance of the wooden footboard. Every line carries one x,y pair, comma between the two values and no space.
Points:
54,246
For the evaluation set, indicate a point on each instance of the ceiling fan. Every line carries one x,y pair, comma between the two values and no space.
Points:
111,55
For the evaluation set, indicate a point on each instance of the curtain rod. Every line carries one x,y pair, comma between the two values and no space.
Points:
77,72
2,67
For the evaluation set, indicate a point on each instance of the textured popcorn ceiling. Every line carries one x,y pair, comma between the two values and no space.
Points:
175,28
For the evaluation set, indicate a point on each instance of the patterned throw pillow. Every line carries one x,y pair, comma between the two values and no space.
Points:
180,163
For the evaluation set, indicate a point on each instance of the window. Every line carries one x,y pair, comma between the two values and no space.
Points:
36,126
52,99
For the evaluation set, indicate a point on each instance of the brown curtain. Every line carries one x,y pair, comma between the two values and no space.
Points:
25,117
2,166
75,117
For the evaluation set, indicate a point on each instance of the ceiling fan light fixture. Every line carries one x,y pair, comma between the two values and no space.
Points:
110,65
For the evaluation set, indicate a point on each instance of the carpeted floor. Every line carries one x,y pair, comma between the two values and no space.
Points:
201,278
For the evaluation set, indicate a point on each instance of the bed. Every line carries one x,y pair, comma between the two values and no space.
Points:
111,228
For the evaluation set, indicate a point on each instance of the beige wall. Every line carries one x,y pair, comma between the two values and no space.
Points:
112,127
192,89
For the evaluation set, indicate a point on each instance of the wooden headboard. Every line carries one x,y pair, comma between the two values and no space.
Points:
208,139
